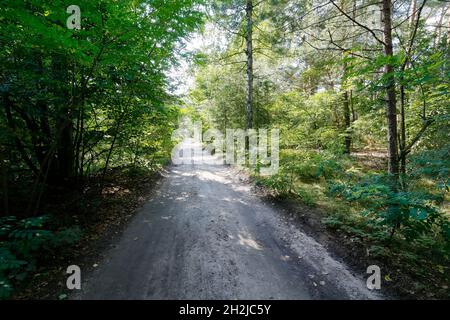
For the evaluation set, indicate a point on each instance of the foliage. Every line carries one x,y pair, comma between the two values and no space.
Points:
76,103
412,212
327,88
302,165
25,243
79,101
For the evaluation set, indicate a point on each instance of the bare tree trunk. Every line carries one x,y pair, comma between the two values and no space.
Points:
347,119
352,107
391,109
402,129
111,148
413,25
402,140
412,12
448,31
391,99
438,30
347,123
64,139
249,53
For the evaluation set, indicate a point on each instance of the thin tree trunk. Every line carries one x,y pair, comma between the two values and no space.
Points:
352,106
108,158
65,153
391,106
78,144
413,24
249,53
23,153
438,32
402,129
347,119
448,32
391,99
347,123
412,12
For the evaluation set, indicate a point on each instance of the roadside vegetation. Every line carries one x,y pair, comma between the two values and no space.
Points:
359,90
76,103
362,108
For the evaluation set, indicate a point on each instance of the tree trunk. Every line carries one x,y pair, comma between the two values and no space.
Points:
347,123
412,12
111,148
352,107
391,103
347,119
249,53
65,154
448,32
402,137
402,129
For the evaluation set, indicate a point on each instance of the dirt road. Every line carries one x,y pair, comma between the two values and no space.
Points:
204,235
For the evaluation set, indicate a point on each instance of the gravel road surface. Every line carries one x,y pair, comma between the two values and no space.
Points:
205,235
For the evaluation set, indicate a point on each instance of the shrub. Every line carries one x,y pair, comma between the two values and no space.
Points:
310,165
24,244
415,212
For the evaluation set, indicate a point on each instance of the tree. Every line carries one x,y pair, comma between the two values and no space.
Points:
237,19
249,53
391,96
68,95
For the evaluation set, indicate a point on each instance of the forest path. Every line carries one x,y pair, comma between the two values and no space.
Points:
205,235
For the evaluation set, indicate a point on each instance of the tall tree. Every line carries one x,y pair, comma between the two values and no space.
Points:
249,53
238,19
391,97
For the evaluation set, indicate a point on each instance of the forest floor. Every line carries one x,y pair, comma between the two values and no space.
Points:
102,218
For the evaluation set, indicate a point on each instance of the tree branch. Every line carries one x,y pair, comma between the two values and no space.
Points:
358,23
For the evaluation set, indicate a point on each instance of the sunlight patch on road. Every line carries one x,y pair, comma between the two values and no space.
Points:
209,176
183,174
249,242
235,200
182,197
241,188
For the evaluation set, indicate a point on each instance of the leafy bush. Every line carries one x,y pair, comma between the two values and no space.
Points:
306,197
278,183
310,165
24,244
298,167
433,164
415,212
